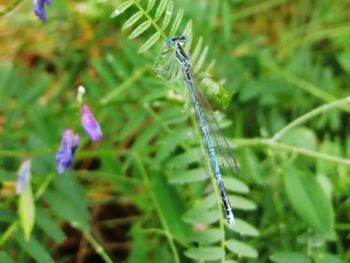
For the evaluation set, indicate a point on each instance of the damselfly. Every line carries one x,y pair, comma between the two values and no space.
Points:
208,125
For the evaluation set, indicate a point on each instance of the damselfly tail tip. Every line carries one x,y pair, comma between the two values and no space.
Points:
231,220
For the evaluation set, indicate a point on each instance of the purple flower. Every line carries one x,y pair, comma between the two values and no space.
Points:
39,8
65,154
23,176
90,125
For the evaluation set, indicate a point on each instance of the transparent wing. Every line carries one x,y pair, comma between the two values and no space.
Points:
225,154
202,152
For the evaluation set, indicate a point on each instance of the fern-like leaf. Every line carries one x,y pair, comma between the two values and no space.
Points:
132,20
149,43
140,29
122,8
176,22
160,9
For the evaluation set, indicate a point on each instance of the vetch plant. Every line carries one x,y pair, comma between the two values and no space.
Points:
26,207
39,8
90,125
70,140
65,154
23,176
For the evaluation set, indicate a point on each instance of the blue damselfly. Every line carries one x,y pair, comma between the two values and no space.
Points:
208,125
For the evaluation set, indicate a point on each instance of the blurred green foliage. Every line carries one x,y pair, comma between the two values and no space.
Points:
142,194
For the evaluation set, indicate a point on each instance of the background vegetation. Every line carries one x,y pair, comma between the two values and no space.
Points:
142,193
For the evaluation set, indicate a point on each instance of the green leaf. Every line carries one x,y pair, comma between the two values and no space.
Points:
184,159
122,8
160,9
7,216
168,14
196,52
150,5
176,22
188,32
144,138
244,228
309,200
208,236
132,20
171,206
241,203
6,176
326,258
201,59
132,126
236,185
34,248
5,258
344,61
26,210
204,205
207,217
289,257
252,166
65,209
241,249
149,43
139,245
302,137
188,176
205,253
49,226
226,19
140,29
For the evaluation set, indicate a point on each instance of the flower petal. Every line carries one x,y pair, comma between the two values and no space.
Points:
65,154
90,125
23,176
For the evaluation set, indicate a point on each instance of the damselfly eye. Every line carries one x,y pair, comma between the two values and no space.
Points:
169,41
184,39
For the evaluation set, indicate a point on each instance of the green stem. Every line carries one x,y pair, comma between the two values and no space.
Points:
97,247
221,221
162,233
44,186
10,7
289,148
8,233
161,218
153,23
310,115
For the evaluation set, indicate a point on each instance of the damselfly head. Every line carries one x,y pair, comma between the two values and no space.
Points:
172,40
169,41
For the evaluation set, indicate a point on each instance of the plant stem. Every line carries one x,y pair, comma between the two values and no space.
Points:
154,24
162,220
97,247
289,148
221,221
10,7
311,114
